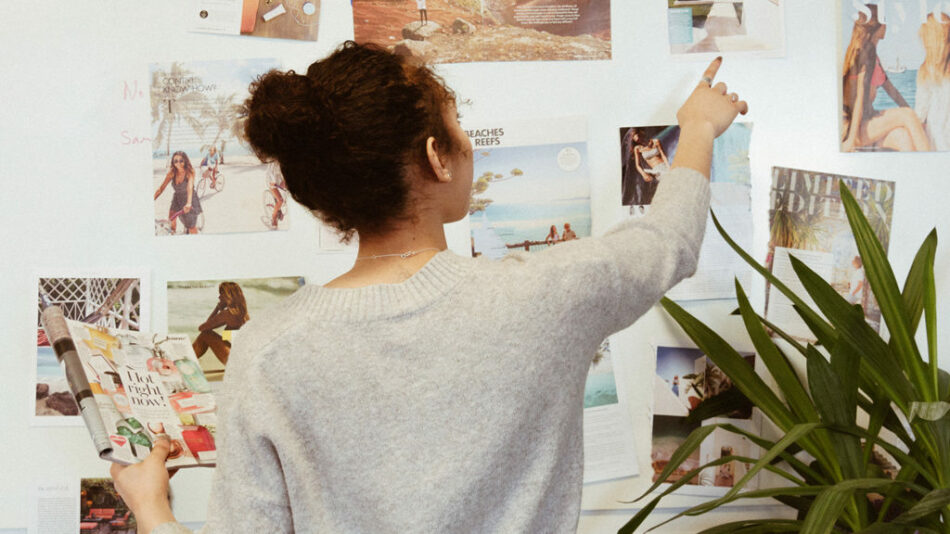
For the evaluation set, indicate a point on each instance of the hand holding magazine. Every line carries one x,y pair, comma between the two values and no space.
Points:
132,387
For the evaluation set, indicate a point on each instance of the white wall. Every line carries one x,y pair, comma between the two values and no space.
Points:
75,197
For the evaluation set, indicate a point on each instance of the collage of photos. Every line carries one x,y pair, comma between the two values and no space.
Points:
894,76
461,31
107,302
686,378
206,178
532,186
807,221
646,153
725,26
286,19
210,313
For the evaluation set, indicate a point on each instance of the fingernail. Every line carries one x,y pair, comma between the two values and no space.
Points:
719,59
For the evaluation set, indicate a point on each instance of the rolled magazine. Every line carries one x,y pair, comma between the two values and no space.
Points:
134,386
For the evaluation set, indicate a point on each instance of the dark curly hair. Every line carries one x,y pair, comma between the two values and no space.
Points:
345,133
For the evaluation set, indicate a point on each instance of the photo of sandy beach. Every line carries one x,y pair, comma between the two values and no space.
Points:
211,313
457,31
205,179
113,302
529,198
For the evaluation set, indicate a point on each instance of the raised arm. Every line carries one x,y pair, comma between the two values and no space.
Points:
895,95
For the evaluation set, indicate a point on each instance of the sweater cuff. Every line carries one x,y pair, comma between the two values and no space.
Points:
171,527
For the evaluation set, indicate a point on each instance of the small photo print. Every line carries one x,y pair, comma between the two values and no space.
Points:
458,31
721,26
601,386
287,19
101,509
211,313
205,177
110,302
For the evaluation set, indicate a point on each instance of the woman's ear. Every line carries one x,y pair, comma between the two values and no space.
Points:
439,170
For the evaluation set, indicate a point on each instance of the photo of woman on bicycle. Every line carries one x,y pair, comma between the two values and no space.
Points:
185,203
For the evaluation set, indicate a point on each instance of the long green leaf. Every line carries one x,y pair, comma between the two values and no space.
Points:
810,475
820,323
732,364
832,403
775,362
935,501
718,405
913,293
755,526
885,289
851,327
930,317
831,502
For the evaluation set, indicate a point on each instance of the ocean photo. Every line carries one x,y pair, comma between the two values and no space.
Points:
529,189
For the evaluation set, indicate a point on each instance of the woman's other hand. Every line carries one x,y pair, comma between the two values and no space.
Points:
144,487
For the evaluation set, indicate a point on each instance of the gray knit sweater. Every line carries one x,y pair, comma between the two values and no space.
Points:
451,402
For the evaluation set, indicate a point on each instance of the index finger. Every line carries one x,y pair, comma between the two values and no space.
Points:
710,73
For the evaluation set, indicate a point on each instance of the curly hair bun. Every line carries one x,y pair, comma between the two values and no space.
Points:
284,109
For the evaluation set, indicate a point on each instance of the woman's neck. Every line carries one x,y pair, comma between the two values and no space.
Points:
393,257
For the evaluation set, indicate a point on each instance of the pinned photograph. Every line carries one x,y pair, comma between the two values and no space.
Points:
646,154
101,509
532,186
713,27
108,302
211,312
685,380
206,179
807,220
459,31
278,19
895,77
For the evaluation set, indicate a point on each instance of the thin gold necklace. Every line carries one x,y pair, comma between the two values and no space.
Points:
403,255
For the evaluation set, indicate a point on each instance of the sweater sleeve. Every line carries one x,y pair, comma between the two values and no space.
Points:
603,284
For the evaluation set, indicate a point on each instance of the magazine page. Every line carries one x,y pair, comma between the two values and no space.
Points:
685,378
458,31
146,385
287,19
647,152
703,29
609,450
532,185
205,177
893,60
104,299
807,220
211,313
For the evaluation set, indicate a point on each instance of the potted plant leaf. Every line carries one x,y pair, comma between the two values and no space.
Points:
888,471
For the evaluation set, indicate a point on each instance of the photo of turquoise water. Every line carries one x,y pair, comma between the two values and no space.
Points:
47,366
534,188
601,389
906,84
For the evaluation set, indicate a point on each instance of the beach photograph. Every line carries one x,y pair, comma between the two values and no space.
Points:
724,26
205,178
111,302
211,313
601,386
669,432
458,31
894,59
529,198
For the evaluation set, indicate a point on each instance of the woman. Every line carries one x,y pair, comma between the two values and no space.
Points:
552,237
185,202
863,126
443,392
231,313
210,162
640,187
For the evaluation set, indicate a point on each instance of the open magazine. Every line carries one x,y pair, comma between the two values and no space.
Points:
132,386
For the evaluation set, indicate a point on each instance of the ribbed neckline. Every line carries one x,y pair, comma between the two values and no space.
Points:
435,279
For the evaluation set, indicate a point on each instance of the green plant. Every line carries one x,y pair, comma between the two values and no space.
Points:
828,456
